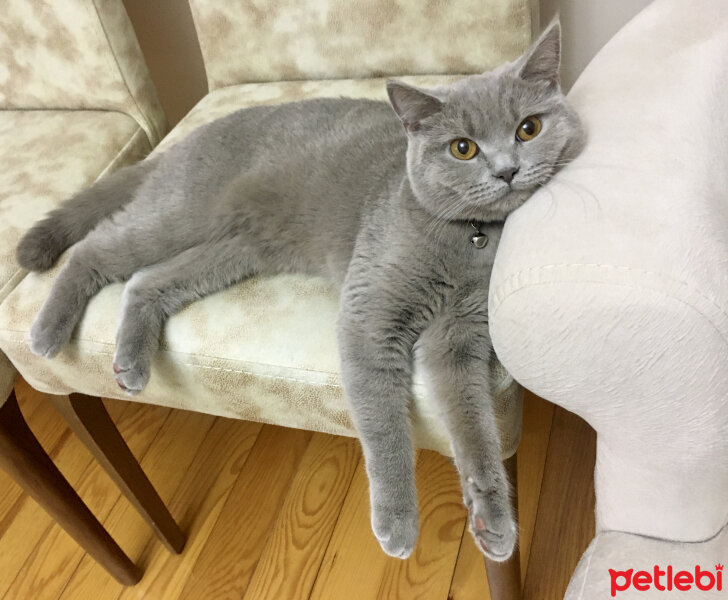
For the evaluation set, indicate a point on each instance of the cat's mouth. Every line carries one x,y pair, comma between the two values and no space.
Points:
485,203
497,205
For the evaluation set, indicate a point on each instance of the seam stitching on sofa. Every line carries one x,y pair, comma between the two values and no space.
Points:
613,268
149,128
508,282
653,538
633,286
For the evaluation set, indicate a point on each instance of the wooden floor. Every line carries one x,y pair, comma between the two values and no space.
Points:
283,514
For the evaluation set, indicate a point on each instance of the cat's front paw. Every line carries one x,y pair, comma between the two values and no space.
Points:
395,528
47,336
131,373
491,520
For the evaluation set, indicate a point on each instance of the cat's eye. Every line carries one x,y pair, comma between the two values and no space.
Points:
528,129
463,148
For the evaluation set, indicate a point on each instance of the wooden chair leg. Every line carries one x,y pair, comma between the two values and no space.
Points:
24,459
88,418
504,578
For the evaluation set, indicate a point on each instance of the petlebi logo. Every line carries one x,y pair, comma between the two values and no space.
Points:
667,579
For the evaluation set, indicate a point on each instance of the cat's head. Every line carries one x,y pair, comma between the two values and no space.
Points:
480,147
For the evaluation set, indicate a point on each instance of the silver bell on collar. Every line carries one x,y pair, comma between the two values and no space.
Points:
478,239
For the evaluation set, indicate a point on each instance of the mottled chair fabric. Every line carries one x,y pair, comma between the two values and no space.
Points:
76,102
265,350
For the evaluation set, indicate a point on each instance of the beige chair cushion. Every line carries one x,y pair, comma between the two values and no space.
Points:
75,54
47,156
79,103
285,40
263,350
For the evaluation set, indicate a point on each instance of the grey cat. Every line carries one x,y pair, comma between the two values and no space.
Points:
405,220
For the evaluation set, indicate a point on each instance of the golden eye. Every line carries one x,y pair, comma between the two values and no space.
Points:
463,148
529,128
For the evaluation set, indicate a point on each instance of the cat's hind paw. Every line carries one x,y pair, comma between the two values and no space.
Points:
491,522
131,376
47,338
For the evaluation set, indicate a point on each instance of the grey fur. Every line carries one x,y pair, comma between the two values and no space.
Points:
336,187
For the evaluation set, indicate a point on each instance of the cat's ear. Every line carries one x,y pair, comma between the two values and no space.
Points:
542,61
411,104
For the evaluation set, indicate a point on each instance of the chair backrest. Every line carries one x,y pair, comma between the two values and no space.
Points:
246,41
75,54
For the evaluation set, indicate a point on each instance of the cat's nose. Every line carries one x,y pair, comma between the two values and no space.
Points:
507,174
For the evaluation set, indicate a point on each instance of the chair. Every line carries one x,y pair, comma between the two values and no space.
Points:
76,102
265,349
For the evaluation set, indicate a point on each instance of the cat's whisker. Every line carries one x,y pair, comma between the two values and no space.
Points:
447,217
580,165
537,175
578,187
552,205
437,221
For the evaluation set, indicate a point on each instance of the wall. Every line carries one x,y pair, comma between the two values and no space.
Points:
587,25
168,39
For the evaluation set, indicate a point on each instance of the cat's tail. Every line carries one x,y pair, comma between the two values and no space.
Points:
42,244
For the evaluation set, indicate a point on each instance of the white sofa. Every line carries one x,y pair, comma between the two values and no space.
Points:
617,308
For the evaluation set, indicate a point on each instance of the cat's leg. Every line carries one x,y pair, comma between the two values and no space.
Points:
376,335
87,270
155,293
455,352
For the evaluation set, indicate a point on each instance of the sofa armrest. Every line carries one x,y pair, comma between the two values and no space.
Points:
610,291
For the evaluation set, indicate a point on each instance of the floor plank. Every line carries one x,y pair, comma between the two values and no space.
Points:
565,521
228,560
538,417
50,431
470,580
46,425
165,463
296,545
198,502
24,529
427,573
276,513
353,564
57,554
